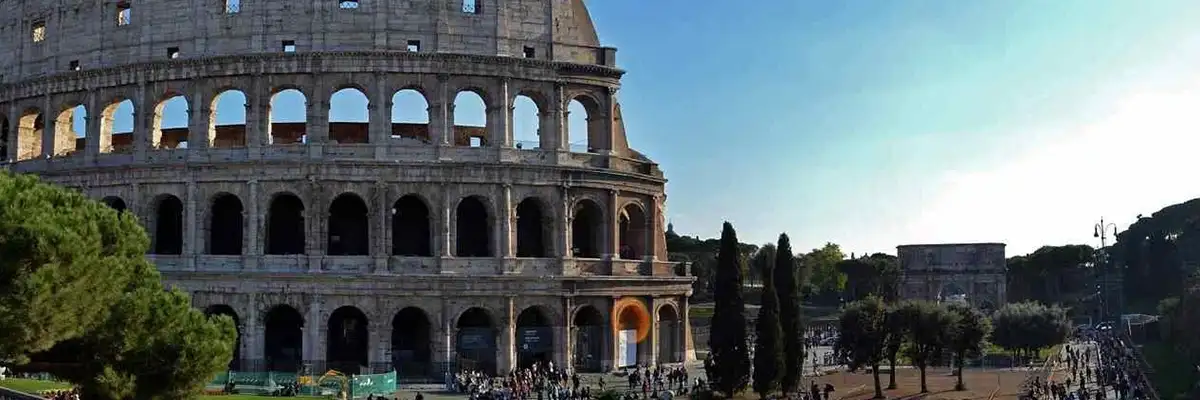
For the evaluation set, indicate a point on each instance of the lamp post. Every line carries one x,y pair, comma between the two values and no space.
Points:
1100,230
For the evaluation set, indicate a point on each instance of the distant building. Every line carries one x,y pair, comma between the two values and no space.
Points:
972,273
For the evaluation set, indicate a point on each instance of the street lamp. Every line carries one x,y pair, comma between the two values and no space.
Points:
1100,230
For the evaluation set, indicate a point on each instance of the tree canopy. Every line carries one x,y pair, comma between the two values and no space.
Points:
1028,327
729,370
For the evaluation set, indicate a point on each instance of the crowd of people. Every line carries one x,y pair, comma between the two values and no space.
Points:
543,381
1093,372
71,394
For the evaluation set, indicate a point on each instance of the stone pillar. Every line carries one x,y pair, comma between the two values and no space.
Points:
190,220
613,233
198,127
444,339
14,134
141,129
499,118
564,221
134,203
257,117
317,126
50,116
507,341
689,347
504,230
253,246
313,325
315,214
91,145
378,114
253,334
447,234
379,238
565,352
440,113
553,122
608,126
650,233
655,331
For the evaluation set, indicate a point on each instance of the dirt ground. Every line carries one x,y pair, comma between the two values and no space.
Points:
981,385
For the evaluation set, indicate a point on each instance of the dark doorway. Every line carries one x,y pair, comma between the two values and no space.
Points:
113,202
348,227
221,309
412,348
226,226
285,225
586,230
168,226
531,229
670,336
346,349
284,339
476,342
591,334
535,338
410,228
472,229
632,233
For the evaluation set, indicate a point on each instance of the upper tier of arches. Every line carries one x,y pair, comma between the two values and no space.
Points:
69,35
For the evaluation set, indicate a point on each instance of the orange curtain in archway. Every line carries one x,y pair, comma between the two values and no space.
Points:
631,311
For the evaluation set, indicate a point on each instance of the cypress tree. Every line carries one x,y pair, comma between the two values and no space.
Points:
787,283
729,366
768,360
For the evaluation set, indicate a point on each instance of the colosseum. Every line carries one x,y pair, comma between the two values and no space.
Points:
362,246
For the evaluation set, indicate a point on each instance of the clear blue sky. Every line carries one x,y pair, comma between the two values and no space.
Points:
877,123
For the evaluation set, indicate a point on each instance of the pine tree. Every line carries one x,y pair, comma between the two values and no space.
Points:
768,357
787,283
729,367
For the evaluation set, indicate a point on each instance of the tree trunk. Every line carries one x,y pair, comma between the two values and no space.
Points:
878,387
924,389
960,385
892,376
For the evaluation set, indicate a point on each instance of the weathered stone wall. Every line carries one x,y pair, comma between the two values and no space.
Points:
976,270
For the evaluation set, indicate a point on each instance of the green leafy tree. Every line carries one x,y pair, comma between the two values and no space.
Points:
826,282
730,359
894,328
768,345
862,337
930,327
64,259
968,337
787,281
1026,328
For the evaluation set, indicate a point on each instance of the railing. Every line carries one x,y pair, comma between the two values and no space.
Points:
404,265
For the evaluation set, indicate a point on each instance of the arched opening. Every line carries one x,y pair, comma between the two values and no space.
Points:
670,335
289,116
411,235
472,229
285,225
169,129
410,115
632,233
476,341
346,346
633,327
349,117
587,230
29,134
70,131
535,338
590,334
116,127
470,119
221,309
532,227
579,125
348,226
227,123
168,225
226,225
283,341
526,123
115,203
412,345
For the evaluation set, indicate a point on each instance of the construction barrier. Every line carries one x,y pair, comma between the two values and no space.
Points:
329,384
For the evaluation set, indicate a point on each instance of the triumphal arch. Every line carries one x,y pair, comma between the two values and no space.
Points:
954,272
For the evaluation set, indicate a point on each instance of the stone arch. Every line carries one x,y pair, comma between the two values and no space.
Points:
470,118
349,226
115,202
349,115
283,339
285,232
591,335
227,120
116,125
68,139
287,113
412,342
411,227
670,334
950,291
168,225
226,310
585,127
29,134
476,341
410,114
527,114
535,337
633,231
473,228
226,225
587,229
632,323
169,126
347,340
534,228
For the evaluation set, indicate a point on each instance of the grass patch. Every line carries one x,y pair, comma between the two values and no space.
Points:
33,386
1171,376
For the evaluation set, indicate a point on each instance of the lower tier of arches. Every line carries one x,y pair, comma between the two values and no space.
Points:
423,337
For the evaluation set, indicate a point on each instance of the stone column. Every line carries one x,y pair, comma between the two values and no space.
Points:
190,220
446,238
92,145
440,113
507,341
444,339
608,125
565,219
379,238
313,325
650,233
315,211
499,118
317,126
253,246
379,125
141,129
257,117
565,352
252,331
655,328
50,116
14,134
553,121
198,127
689,347
504,230
613,242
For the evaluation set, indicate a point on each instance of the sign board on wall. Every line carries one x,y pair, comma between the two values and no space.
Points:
535,340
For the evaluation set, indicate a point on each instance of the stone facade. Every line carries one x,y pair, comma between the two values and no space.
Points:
404,247
938,272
